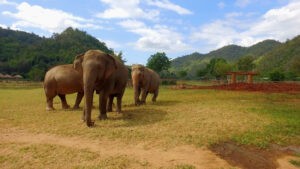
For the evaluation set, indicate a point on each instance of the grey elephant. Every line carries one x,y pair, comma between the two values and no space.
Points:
61,80
105,74
144,81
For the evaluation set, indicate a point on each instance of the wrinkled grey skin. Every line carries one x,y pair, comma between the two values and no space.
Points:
103,73
62,80
144,81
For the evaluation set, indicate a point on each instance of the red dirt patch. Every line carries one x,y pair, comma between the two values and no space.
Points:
245,157
249,157
279,87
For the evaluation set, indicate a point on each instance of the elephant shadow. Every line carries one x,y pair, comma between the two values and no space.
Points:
154,104
164,103
139,116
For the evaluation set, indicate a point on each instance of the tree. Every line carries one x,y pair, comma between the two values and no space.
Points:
201,72
159,62
221,68
36,74
182,73
246,63
119,57
217,67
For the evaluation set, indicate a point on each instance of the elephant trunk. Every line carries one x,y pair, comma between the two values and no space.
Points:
136,94
136,87
88,86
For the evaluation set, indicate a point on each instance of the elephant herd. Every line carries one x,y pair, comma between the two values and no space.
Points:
97,71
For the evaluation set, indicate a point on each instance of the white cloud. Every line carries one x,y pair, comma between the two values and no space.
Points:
279,24
221,5
126,9
6,2
51,20
110,43
166,4
216,34
158,38
3,26
242,3
233,14
132,24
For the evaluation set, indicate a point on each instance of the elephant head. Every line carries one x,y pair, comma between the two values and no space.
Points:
138,81
106,63
137,75
77,63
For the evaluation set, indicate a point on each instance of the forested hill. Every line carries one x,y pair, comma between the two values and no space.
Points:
285,58
268,56
31,56
230,53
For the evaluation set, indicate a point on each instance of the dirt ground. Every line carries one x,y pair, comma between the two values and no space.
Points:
227,155
280,87
249,157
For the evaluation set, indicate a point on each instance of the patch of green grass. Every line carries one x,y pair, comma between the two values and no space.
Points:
295,163
285,122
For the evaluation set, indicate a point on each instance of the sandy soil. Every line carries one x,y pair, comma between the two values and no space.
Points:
158,157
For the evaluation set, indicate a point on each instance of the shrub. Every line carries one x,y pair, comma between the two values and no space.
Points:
291,76
277,76
168,82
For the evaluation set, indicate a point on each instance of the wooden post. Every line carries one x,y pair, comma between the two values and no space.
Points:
233,77
250,78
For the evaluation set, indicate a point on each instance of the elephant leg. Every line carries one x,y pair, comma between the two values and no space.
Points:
110,103
102,107
63,101
83,115
119,103
137,93
138,96
78,100
89,91
144,96
50,103
155,96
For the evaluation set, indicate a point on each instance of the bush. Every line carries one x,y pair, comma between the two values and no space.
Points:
277,76
291,76
168,82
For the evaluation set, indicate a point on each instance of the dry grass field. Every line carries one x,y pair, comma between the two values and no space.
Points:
176,132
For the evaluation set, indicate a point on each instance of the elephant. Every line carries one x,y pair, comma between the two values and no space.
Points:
144,81
105,74
61,80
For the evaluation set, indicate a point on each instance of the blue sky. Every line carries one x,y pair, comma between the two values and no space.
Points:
140,28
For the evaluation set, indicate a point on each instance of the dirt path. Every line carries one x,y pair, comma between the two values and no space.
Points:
278,87
156,156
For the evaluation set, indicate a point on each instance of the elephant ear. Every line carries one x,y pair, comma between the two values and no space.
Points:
77,62
111,66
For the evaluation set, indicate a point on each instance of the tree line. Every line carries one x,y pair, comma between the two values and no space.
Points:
31,56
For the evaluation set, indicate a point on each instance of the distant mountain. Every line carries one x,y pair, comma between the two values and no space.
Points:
263,47
185,60
285,58
231,53
31,56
